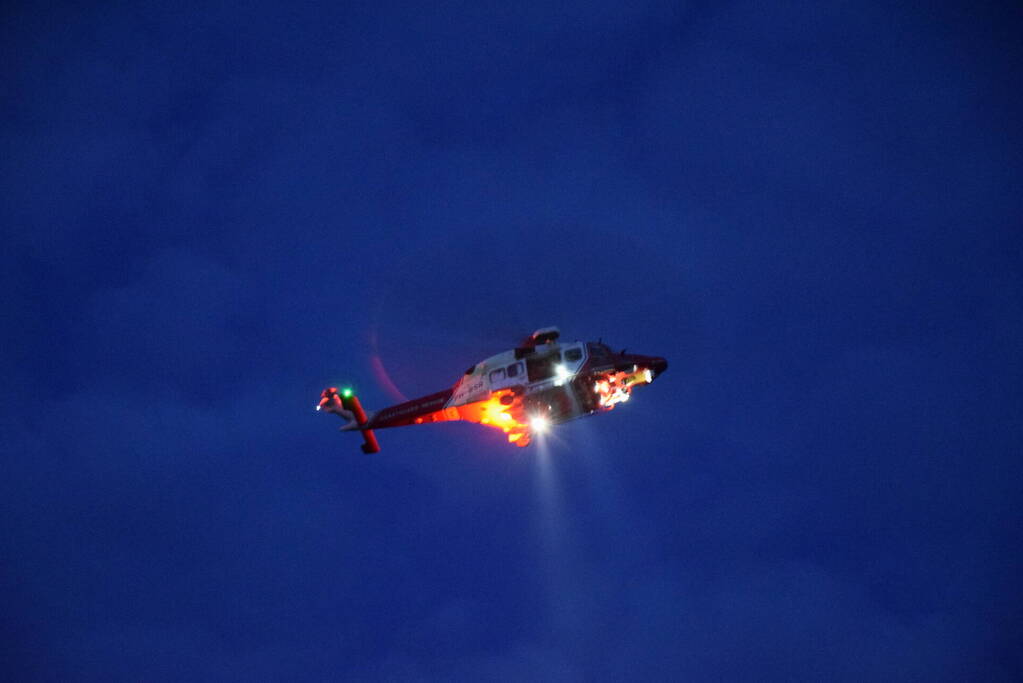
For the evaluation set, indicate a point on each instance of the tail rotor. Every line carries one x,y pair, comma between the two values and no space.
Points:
345,404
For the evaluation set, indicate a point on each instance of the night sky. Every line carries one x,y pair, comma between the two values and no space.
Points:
211,212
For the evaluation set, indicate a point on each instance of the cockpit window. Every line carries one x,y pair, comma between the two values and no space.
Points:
497,376
514,369
573,355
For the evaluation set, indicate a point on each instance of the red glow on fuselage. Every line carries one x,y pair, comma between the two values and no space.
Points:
492,412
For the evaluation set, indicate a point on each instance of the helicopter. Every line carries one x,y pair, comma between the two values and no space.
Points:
522,391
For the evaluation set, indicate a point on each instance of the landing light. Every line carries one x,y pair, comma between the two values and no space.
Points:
539,424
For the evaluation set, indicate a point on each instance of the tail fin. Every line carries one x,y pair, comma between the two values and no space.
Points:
347,406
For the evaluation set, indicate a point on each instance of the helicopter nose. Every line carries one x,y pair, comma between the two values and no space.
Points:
658,366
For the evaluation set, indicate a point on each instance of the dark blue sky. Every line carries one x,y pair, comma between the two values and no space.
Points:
211,211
